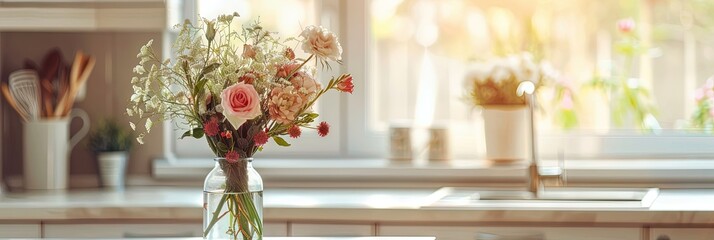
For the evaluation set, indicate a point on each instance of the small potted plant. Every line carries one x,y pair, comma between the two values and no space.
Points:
111,143
492,87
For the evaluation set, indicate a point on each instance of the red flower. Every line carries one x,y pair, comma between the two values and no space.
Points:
289,54
227,134
323,129
260,138
248,78
294,131
232,156
346,85
287,68
211,127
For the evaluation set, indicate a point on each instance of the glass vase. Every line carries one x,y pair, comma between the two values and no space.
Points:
233,201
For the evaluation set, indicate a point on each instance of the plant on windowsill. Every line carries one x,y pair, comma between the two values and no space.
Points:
111,144
492,87
630,99
703,117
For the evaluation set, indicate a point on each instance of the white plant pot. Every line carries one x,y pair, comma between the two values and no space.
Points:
506,132
112,168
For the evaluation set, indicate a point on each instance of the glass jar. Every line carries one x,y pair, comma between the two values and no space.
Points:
233,201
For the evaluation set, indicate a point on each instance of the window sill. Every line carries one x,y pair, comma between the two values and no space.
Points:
363,171
378,172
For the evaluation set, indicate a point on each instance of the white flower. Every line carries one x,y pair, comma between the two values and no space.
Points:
139,69
140,138
148,125
321,42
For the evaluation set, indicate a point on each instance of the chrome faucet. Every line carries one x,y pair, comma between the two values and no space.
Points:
538,175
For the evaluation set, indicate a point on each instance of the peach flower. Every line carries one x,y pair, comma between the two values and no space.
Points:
285,104
285,69
248,51
321,42
302,80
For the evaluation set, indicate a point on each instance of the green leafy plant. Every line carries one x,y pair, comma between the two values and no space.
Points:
110,137
630,99
703,116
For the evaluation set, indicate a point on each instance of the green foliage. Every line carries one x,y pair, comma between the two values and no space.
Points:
196,133
280,141
109,137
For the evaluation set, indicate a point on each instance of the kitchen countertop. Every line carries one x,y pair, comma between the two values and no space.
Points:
298,238
680,206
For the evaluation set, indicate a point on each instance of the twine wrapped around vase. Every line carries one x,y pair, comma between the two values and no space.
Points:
236,176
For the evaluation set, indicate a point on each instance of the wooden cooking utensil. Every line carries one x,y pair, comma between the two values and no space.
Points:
81,69
50,68
86,69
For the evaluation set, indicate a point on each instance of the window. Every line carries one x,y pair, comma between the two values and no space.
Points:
287,17
409,59
419,52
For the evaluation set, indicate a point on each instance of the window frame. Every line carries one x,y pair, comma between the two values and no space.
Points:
356,140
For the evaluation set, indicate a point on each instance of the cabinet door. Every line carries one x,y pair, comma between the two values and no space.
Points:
550,233
122,230
335,230
19,230
681,233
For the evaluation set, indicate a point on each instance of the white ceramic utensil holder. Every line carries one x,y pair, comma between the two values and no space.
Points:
46,149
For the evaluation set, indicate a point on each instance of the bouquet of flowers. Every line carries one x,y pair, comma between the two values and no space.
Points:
495,82
237,96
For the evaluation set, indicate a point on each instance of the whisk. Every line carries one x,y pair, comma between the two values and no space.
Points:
25,89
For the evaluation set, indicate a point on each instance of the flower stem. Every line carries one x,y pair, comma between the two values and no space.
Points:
215,215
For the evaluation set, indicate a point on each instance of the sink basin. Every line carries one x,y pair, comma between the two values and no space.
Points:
556,197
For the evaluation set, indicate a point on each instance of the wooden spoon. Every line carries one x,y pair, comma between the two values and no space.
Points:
86,69
50,69
73,73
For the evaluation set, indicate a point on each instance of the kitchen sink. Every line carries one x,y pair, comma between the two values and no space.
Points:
555,197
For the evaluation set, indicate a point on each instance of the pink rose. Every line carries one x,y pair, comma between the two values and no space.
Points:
240,103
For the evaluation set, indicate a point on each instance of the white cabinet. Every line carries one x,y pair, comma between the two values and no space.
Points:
82,15
19,230
111,230
275,229
338,230
550,233
681,234
121,230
